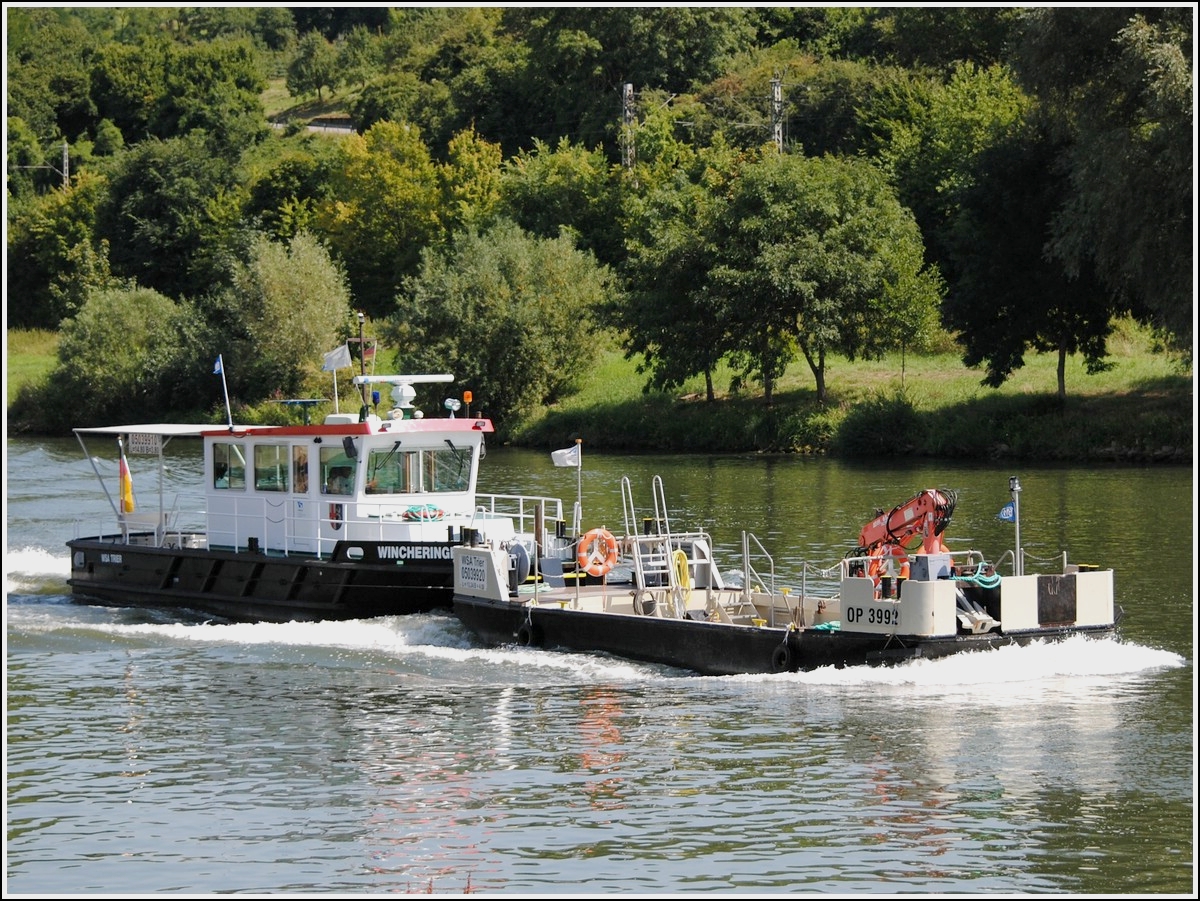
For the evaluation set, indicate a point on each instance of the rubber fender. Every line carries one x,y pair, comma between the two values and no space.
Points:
529,635
781,659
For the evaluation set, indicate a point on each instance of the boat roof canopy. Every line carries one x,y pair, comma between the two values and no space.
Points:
164,429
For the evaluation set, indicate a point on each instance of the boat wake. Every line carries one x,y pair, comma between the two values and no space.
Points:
433,636
441,638
1079,659
392,636
32,570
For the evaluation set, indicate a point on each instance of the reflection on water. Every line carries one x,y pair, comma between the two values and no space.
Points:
600,736
147,755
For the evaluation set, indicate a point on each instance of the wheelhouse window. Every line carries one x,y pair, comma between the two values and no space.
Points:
449,469
300,469
396,471
229,465
271,467
390,471
337,471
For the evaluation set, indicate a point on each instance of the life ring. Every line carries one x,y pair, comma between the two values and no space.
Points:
598,552
424,513
335,516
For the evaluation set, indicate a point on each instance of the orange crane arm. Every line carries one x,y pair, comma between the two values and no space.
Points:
926,515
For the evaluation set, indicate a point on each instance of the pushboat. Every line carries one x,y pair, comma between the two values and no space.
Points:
350,518
656,595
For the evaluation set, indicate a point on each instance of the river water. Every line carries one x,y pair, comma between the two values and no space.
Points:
145,755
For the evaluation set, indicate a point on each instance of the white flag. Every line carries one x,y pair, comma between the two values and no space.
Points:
337,359
568,456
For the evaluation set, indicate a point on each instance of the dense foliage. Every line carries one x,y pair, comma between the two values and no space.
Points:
511,315
774,184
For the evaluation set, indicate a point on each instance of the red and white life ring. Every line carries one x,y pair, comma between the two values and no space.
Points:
598,552
889,553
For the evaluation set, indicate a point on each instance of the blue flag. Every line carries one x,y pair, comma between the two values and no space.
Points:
1008,512
218,369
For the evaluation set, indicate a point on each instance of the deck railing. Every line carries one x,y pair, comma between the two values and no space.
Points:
187,521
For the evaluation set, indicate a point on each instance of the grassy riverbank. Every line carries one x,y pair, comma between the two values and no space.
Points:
1141,410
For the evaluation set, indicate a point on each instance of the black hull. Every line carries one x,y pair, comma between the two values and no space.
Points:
245,586
713,649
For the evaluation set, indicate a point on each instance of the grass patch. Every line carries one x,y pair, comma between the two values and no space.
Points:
923,405
29,357
280,106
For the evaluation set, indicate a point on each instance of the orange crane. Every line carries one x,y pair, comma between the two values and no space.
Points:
926,515
888,539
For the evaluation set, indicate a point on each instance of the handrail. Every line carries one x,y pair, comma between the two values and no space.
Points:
972,558
627,508
748,567
552,508
660,505
249,515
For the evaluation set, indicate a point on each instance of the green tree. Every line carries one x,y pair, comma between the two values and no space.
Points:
507,313
272,27
275,26
945,36
314,67
289,179
1117,86
841,32
386,212
482,67
1007,296
928,134
215,88
164,89
580,58
166,203
825,100
570,187
819,255
109,140
471,182
334,21
128,83
286,305
27,161
48,78
359,56
120,354
450,70
52,262
403,97
662,140
671,317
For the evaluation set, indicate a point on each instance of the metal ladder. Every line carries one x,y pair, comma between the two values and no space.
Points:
651,551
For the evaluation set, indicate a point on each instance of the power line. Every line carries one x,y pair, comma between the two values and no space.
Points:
65,171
